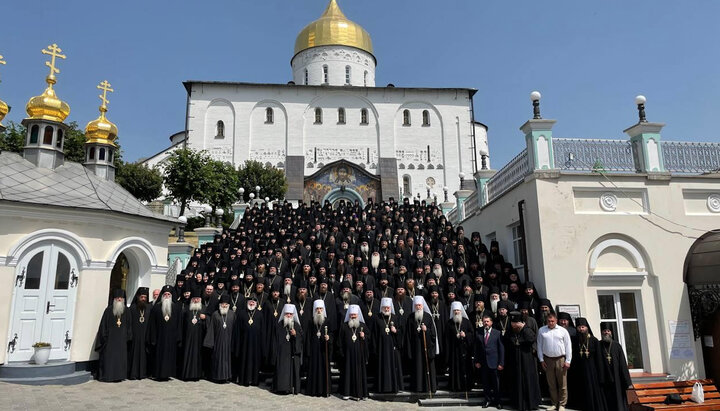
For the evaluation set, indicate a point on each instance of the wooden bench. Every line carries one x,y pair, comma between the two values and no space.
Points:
651,396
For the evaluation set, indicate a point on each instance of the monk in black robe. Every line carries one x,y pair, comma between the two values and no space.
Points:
250,346
421,348
288,352
139,318
218,338
587,361
521,364
165,334
387,341
353,348
318,349
193,332
113,337
459,336
617,375
440,313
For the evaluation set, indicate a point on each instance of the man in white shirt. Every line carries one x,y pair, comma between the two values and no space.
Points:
555,353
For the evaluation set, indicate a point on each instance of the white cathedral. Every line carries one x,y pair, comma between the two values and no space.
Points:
336,134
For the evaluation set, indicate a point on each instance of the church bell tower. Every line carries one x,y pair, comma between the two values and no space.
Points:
101,133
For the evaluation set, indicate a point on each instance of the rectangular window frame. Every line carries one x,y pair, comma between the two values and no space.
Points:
619,321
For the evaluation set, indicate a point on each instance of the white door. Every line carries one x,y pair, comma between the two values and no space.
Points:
44,302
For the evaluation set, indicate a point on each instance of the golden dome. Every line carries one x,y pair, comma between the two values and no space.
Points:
48,106
333,29
101,130
3,111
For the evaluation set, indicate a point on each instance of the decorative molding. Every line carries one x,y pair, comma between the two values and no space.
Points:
134,242
637,260
713,203
50,234
608,202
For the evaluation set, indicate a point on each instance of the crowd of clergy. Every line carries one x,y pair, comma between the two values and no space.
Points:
390,294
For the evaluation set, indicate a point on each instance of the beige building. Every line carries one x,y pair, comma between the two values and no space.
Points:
618,231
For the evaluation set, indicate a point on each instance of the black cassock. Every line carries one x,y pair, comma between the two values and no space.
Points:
318,353
588,371
218,337
272,313
440,313
113,337
459,353
521,365
386,349
193,331
355,353
250,346
417,361
164,336
137,354
617,375
288,357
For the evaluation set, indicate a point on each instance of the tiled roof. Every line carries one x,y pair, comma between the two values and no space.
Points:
70,185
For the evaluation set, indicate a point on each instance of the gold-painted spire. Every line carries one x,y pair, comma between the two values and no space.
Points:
333,29
48,106
3,106
101,130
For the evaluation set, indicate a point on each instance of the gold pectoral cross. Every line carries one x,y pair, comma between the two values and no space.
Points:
118,322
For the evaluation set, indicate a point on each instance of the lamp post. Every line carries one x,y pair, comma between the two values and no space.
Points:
445,190
252,195
428,191
181,229
207,210
640,101
462,179
257,192
219,213
535,98
242,195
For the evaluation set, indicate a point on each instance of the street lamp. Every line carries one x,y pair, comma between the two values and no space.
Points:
242,192
207,210
257,191
535,98
640,101
445,189
428,191
181,229
462,179
219,213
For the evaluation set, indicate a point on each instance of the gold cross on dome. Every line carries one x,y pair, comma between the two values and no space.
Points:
1,60
105,87
54,51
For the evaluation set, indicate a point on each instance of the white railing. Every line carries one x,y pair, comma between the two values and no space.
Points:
512,174
578,154
471,204
453,215
691,158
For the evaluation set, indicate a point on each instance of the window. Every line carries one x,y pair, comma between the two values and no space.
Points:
110,155
307,75
365,76
59,141
406,117
407,187
91,156
269,116
326,75
34,272
363,116
34,132
102,154
341,115
620,311
347,74
47,137
62,272
426,118
220,129
517,245
318,115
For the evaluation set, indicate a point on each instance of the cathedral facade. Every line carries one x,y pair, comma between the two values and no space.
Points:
336,134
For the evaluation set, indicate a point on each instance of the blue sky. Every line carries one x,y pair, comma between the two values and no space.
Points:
589,59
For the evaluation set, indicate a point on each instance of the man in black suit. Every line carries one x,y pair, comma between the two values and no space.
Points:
489,358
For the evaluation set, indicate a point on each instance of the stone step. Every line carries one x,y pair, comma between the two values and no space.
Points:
451,402
27,370
77,377
413,397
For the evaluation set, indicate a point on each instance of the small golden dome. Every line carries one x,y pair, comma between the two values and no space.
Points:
4,109
101,130
47,106
333,29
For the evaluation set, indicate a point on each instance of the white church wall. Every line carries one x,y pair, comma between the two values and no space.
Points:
267,138
7,278
336,59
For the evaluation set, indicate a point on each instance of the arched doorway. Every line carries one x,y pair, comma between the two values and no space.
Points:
132,268
119,274
343,193
702,276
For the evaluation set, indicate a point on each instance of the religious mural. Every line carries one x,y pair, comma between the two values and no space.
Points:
341,179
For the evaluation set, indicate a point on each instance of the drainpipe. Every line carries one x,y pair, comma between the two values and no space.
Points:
472,124
523,249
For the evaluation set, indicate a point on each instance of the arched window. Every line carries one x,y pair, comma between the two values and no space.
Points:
47,137
407,186
406,117
220,129
34,132
91,156
59,141
426,118
269,116
110,155
318,115
102,154
363,116
365,76
347,74
341,115
326,75
307,76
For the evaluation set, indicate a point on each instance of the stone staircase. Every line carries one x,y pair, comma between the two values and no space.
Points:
52,373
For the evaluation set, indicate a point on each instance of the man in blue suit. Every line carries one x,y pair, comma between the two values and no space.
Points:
489,358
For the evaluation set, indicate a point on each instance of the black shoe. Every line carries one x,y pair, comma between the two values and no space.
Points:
498,406
487,404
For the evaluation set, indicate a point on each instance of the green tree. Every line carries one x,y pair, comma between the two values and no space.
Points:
271,180
184,176
222,185
13,138
142,182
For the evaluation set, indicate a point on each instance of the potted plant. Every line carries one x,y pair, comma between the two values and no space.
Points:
42,352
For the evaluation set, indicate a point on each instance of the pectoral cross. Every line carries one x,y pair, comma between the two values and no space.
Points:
54,51
105,87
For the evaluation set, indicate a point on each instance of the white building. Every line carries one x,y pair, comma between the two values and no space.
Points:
391,141
620,232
